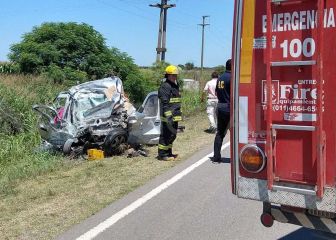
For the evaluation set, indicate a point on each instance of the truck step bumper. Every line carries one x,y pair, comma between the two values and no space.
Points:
304,219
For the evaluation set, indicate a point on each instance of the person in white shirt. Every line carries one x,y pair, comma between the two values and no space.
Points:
210,91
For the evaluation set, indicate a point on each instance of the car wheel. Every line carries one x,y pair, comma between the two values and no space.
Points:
67,147
115,142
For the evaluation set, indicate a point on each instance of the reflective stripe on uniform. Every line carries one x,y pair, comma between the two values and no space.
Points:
175,100
168,113
164,147
177,118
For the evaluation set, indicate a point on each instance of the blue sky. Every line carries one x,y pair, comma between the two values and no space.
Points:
131,26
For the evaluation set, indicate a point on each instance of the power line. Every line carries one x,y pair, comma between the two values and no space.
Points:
138,5
186,13
126,11
221,41
172,23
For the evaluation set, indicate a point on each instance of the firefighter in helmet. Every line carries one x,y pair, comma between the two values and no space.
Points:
170,112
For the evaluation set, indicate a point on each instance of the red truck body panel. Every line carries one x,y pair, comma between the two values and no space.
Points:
296,37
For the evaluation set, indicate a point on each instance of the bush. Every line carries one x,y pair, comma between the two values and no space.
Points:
189,66
9,68
158,70
220,69
138,87
181,66
75,76
191,102
122,64
55,73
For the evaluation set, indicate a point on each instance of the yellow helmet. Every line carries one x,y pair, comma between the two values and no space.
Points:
171,69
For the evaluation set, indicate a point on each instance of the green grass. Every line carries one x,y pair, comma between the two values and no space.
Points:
18,160
191,102
44,206
43,194
17,157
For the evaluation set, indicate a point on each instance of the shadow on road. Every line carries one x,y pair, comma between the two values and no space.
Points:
308,234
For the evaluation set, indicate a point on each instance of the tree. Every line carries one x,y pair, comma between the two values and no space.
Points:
220,69
122,64
54,47
189,66
181,66
76,52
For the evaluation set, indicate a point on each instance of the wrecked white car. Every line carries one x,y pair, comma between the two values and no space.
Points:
89,115
96,114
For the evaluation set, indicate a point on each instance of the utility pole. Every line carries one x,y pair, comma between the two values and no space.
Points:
161,47
202,53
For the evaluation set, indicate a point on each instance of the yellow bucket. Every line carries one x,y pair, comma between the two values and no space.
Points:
95,154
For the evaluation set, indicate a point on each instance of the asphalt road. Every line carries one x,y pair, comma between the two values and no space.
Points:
199,205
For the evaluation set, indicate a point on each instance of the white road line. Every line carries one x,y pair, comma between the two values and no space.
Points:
94,232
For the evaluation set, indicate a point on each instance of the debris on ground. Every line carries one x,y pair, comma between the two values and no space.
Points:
137,152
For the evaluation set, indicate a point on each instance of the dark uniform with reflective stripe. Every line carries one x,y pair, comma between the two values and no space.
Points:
170,112
223,111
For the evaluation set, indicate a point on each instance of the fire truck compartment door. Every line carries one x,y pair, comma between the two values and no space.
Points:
295,156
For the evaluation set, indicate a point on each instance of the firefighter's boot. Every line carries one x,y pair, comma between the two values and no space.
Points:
166,158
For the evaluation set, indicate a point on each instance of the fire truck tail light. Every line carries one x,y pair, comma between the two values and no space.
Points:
252,159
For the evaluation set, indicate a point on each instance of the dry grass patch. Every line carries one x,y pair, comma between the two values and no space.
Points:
47,205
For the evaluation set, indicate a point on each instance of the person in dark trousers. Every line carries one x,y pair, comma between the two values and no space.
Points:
170,112
223,110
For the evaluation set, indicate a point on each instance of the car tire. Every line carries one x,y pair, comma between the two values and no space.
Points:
67,147
115,142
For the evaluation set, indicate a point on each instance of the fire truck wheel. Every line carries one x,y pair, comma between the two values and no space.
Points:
267,219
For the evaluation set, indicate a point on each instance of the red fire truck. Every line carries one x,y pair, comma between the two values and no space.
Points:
284,110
